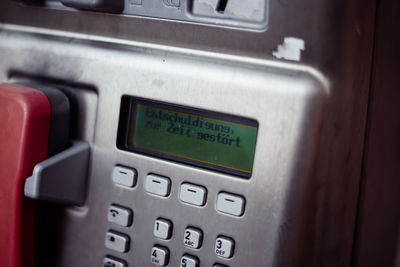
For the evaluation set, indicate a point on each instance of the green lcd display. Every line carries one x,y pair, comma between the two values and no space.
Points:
205,139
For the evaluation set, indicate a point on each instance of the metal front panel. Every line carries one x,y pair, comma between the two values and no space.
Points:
286,100
308,200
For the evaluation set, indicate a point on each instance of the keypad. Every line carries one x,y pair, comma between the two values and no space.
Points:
158,185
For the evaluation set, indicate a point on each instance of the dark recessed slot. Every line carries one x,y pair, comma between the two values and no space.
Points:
222,6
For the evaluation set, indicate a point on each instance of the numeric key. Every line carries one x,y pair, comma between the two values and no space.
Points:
193,237
189,261
224,247
162,229
159,255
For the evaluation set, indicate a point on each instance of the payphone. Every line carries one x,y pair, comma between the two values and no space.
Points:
202,130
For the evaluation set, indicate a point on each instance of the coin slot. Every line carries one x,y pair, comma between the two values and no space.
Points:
221,6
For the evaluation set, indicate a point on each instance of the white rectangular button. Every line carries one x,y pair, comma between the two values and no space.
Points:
224,247
124,176
162,229
111,262
117,241
193,194
159,255
119,215
189,261
193,237
157,185
231,204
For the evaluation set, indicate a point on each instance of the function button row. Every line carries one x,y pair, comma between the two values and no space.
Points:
113,262
162,229
124,176
120,215
117,241
158,185
189,193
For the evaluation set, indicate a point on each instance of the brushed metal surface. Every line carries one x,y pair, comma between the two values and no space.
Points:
286,100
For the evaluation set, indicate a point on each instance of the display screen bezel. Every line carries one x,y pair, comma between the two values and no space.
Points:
127,104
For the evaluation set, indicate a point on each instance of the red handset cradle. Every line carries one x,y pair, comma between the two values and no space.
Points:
24,127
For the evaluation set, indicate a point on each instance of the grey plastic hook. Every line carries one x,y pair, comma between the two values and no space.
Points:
61,178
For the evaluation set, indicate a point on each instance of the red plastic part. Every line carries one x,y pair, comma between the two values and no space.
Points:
24,127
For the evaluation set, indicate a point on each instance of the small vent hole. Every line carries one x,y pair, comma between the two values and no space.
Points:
221,6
